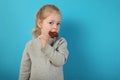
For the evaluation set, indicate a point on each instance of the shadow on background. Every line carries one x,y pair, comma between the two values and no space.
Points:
75,34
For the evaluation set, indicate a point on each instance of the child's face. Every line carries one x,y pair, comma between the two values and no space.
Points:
51,23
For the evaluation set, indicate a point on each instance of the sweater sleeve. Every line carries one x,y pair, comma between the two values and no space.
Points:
25,65
57,53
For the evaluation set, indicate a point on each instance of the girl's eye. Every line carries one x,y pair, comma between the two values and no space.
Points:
50,22
58,23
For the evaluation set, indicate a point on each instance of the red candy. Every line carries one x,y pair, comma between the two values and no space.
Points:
53,34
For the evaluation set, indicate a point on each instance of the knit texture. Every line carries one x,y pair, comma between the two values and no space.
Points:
44,63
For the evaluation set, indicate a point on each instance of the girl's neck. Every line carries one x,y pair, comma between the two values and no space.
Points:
44,37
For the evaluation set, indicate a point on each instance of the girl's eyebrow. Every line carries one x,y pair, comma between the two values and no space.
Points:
57,21
51,20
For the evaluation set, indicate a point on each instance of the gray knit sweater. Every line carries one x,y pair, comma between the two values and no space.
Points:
44,63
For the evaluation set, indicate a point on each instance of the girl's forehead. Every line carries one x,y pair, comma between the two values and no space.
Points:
54,15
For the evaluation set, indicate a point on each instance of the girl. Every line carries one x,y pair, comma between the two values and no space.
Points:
44,56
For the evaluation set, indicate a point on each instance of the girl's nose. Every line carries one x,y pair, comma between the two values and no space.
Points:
55,26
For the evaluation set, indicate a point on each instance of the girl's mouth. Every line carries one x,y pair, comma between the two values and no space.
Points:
53,34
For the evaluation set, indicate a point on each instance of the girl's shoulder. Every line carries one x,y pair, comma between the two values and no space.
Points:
32,41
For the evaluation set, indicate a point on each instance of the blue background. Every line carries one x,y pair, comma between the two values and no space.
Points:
91,27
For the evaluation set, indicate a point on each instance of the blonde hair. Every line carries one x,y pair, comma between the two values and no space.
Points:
43,13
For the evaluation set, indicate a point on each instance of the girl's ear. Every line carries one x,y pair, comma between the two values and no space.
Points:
39,23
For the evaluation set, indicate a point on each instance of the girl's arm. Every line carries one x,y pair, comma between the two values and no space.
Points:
57,53
25,65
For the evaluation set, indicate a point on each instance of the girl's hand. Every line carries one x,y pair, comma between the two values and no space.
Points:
44,40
